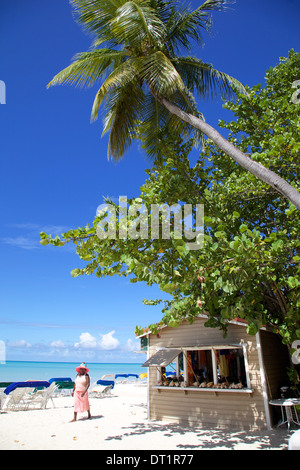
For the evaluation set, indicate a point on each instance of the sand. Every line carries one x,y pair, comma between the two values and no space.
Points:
120,423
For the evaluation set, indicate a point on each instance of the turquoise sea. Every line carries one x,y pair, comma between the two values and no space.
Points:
19,371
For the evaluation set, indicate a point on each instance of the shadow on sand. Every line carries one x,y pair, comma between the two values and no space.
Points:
210,438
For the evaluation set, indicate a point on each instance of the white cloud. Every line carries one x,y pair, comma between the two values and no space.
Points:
57,344
108,342
22,242
29,239
19,344
87,341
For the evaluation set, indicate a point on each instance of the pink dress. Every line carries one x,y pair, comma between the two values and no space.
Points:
81,404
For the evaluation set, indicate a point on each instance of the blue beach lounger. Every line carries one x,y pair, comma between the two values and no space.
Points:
106,392
106,383
60,379
30,384
124,376
24,395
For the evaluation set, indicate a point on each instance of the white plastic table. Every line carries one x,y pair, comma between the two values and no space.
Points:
288,406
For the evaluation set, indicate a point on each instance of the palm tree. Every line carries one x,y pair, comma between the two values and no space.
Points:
148,86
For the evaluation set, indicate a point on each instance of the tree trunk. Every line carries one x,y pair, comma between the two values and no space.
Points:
261,172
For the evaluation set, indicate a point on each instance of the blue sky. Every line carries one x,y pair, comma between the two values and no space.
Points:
54,173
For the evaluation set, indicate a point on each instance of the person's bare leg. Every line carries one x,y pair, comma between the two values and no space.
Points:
75,417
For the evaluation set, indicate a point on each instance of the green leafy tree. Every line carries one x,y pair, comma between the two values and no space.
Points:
249,265
148,86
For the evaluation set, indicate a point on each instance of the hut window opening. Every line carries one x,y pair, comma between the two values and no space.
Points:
217,368
173,374
199,367
221,367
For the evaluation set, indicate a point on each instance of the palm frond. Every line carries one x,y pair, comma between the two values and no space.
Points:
185,101
88,67
124,106
136,22
184,26
119,21
158,123
151,129
162,9
121,75
207,81
95,15
160,74
216,5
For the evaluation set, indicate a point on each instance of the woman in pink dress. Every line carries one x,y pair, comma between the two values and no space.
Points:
80,391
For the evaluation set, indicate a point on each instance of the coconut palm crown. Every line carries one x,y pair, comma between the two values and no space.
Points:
149,87
136,56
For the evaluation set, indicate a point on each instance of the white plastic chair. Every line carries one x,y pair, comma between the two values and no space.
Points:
16,400
3,398
101,393
41,397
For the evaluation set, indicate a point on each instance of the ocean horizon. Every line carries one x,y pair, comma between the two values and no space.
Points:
19,371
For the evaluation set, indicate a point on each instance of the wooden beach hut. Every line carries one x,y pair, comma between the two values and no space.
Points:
197,377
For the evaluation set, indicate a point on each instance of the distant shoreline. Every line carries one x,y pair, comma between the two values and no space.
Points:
18,371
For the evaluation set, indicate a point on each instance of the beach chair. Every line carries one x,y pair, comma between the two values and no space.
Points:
106,383
60,379
29,384
133,379
16,399
124,378
20,394
97,392
3,398
64,388
5,384
110,376
39,399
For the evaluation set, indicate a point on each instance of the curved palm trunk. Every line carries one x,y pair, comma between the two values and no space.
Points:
261,172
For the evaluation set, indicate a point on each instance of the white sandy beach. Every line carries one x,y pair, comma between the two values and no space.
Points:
120,423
